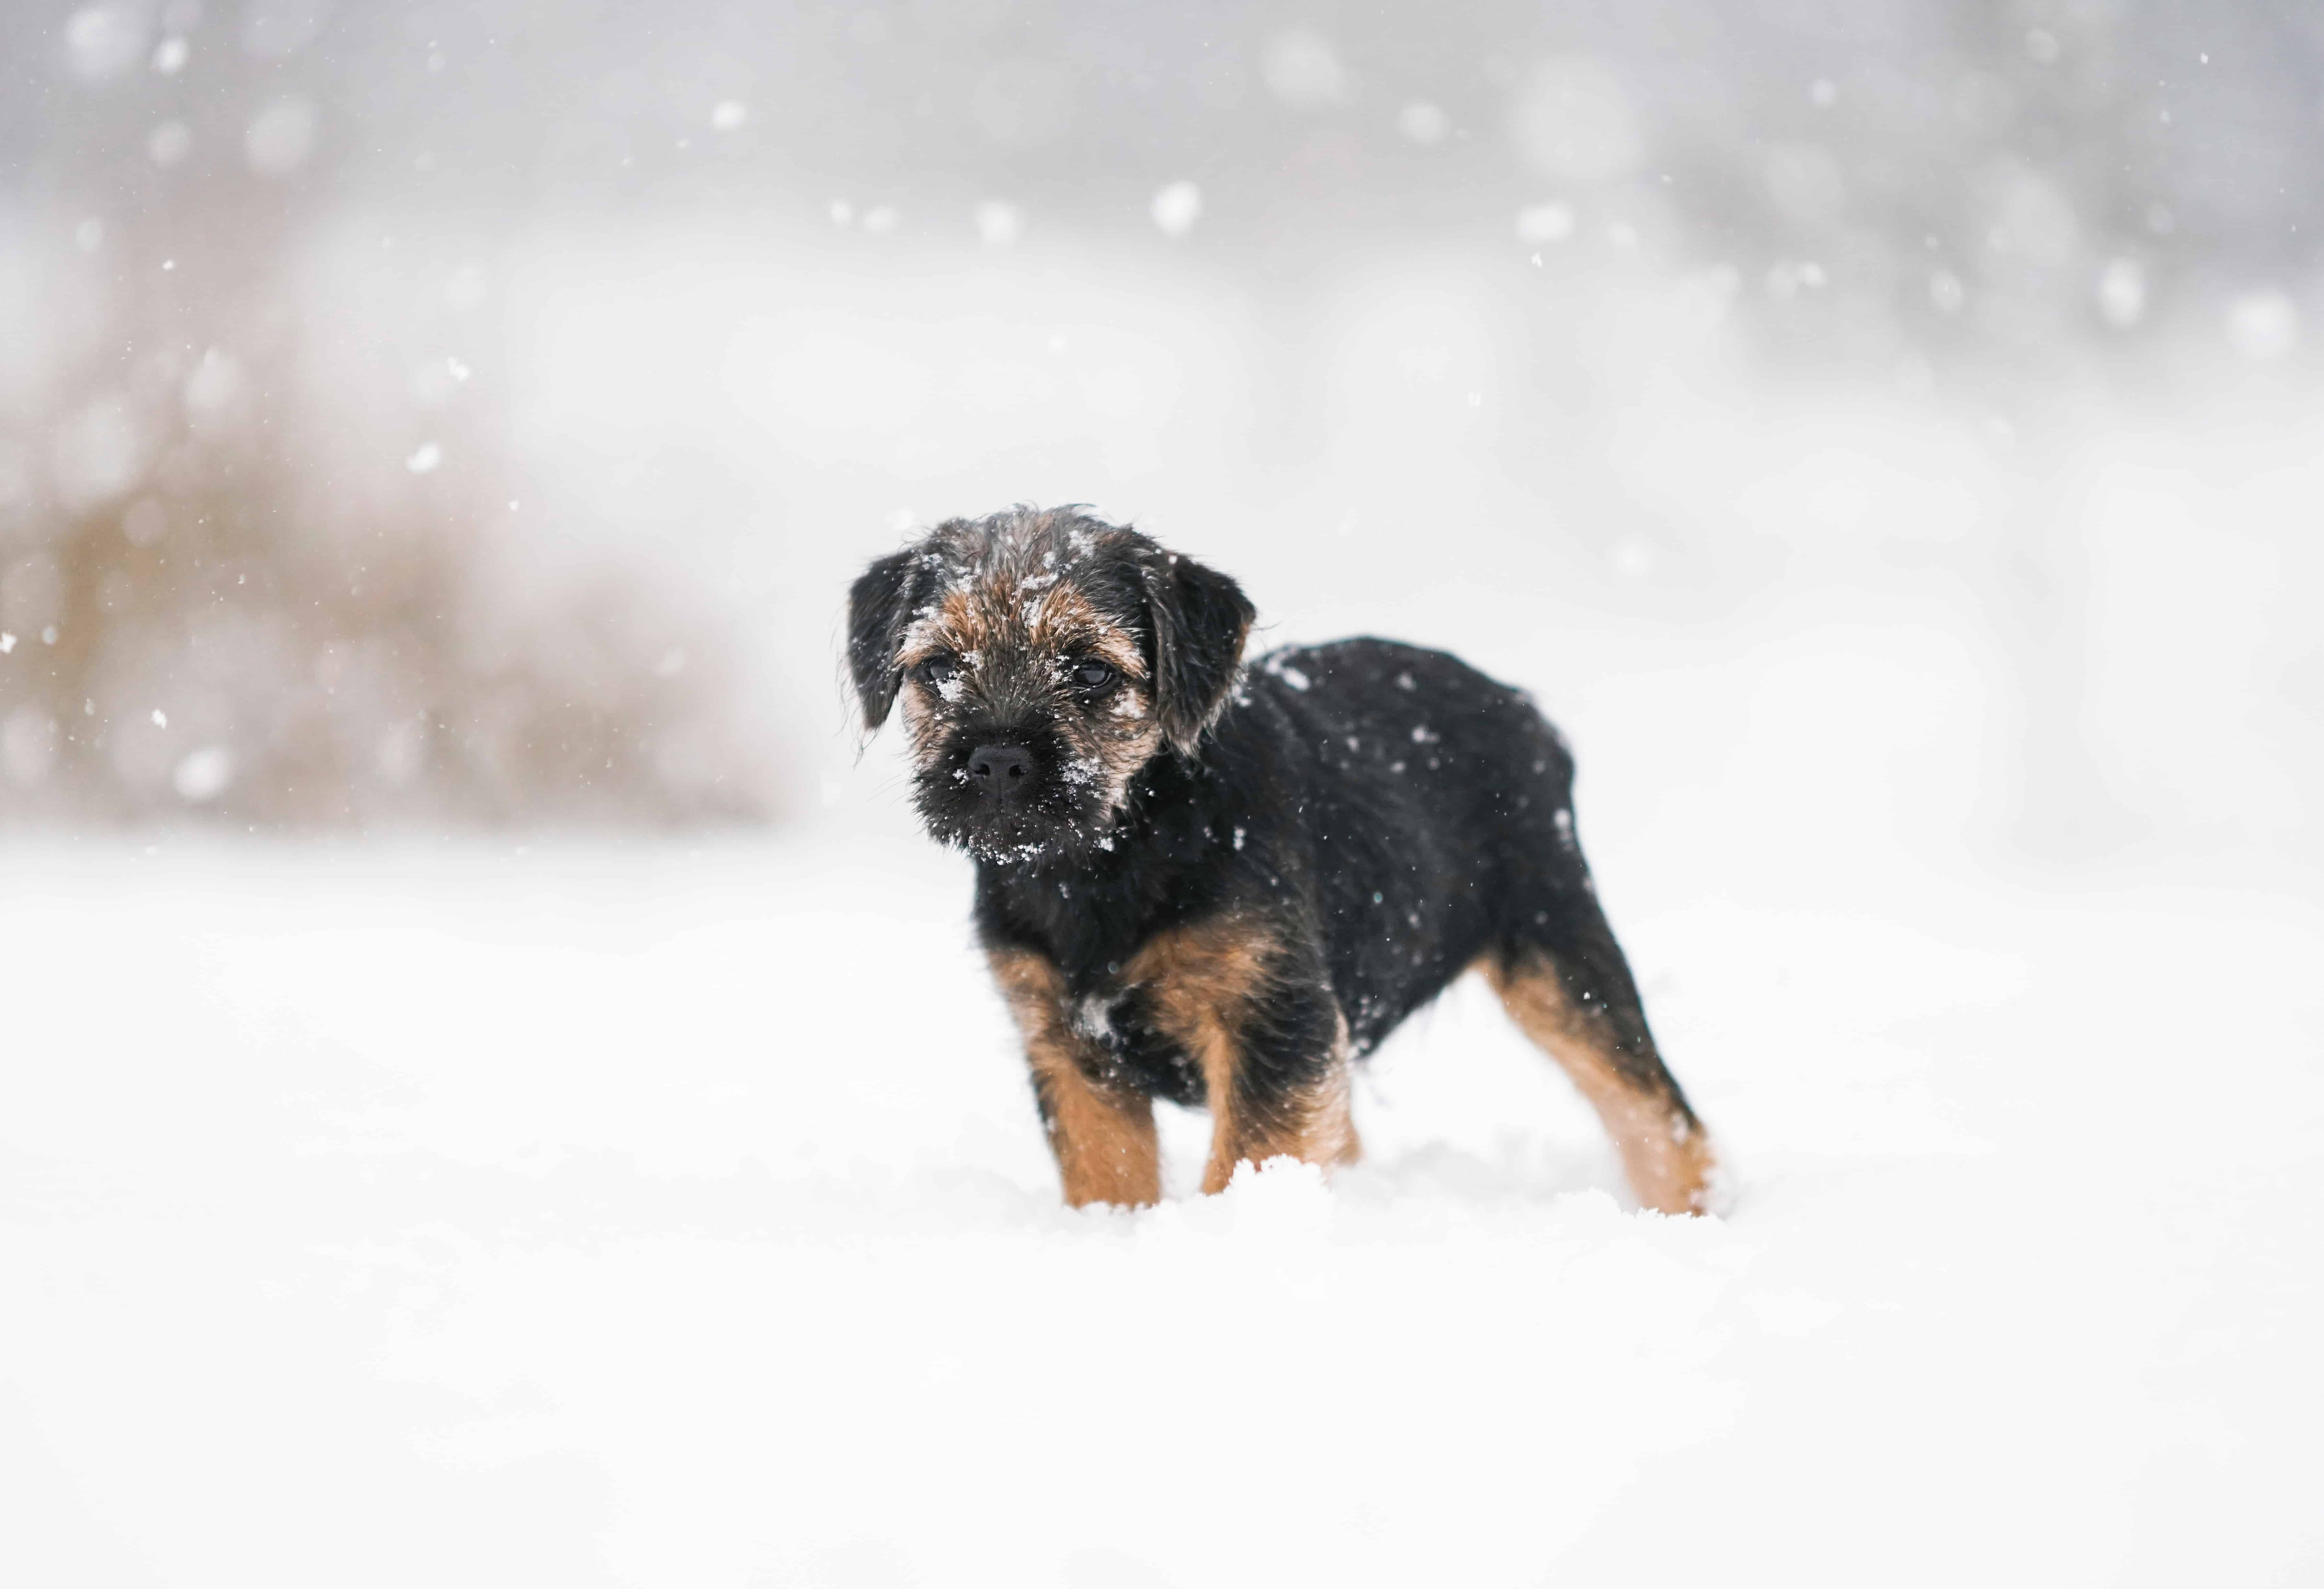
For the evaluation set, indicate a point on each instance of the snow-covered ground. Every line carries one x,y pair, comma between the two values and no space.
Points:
663,1215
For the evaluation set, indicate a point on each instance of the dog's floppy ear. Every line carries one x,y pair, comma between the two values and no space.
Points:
1200,617
879,607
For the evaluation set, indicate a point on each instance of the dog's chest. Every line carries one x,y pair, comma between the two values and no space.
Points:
1116,1019
1096,1015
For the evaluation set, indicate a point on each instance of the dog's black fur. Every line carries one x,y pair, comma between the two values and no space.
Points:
1223,883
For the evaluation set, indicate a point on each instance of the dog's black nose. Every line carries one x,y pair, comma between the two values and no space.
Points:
1002,772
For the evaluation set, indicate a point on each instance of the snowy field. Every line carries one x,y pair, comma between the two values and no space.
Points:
677,1216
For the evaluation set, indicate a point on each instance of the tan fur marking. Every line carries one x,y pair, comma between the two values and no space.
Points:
996,612
1063,619
1103,1139
1111,643
1670,1162
1202,981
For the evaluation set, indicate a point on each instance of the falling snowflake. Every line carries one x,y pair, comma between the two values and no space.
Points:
1176,207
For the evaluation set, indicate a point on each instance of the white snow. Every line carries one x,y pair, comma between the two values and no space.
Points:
2122,292
667,1216
1176,207
1277,668
998,225
203,774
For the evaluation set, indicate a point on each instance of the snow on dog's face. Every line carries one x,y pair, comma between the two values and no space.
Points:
1041,659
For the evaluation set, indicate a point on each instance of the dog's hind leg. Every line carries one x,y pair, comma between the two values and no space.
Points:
1565,984
1102,1133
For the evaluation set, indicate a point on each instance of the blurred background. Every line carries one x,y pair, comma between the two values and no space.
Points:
1874,423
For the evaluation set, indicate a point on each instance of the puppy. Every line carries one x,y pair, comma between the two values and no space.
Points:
1223,885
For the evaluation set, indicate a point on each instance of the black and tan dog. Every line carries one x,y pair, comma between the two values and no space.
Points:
1223,884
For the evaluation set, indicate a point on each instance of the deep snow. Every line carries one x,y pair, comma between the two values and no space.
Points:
670,1216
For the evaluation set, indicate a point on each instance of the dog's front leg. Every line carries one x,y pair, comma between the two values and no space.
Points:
1261,1110
1246,999
1276,1071
1101,1132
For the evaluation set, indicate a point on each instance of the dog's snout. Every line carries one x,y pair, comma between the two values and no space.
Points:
1002,772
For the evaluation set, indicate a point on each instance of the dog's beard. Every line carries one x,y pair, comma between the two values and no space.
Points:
1074,811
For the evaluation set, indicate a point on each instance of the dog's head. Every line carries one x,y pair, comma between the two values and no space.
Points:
1041,659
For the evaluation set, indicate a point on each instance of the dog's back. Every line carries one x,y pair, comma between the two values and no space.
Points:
1438,802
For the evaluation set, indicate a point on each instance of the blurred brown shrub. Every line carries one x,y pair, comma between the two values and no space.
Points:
231,636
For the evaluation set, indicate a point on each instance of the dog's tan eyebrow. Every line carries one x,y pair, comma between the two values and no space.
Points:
997,614
1062,618
946,625
1117,647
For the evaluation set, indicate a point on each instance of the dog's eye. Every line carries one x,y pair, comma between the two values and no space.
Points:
1090,674
938,670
